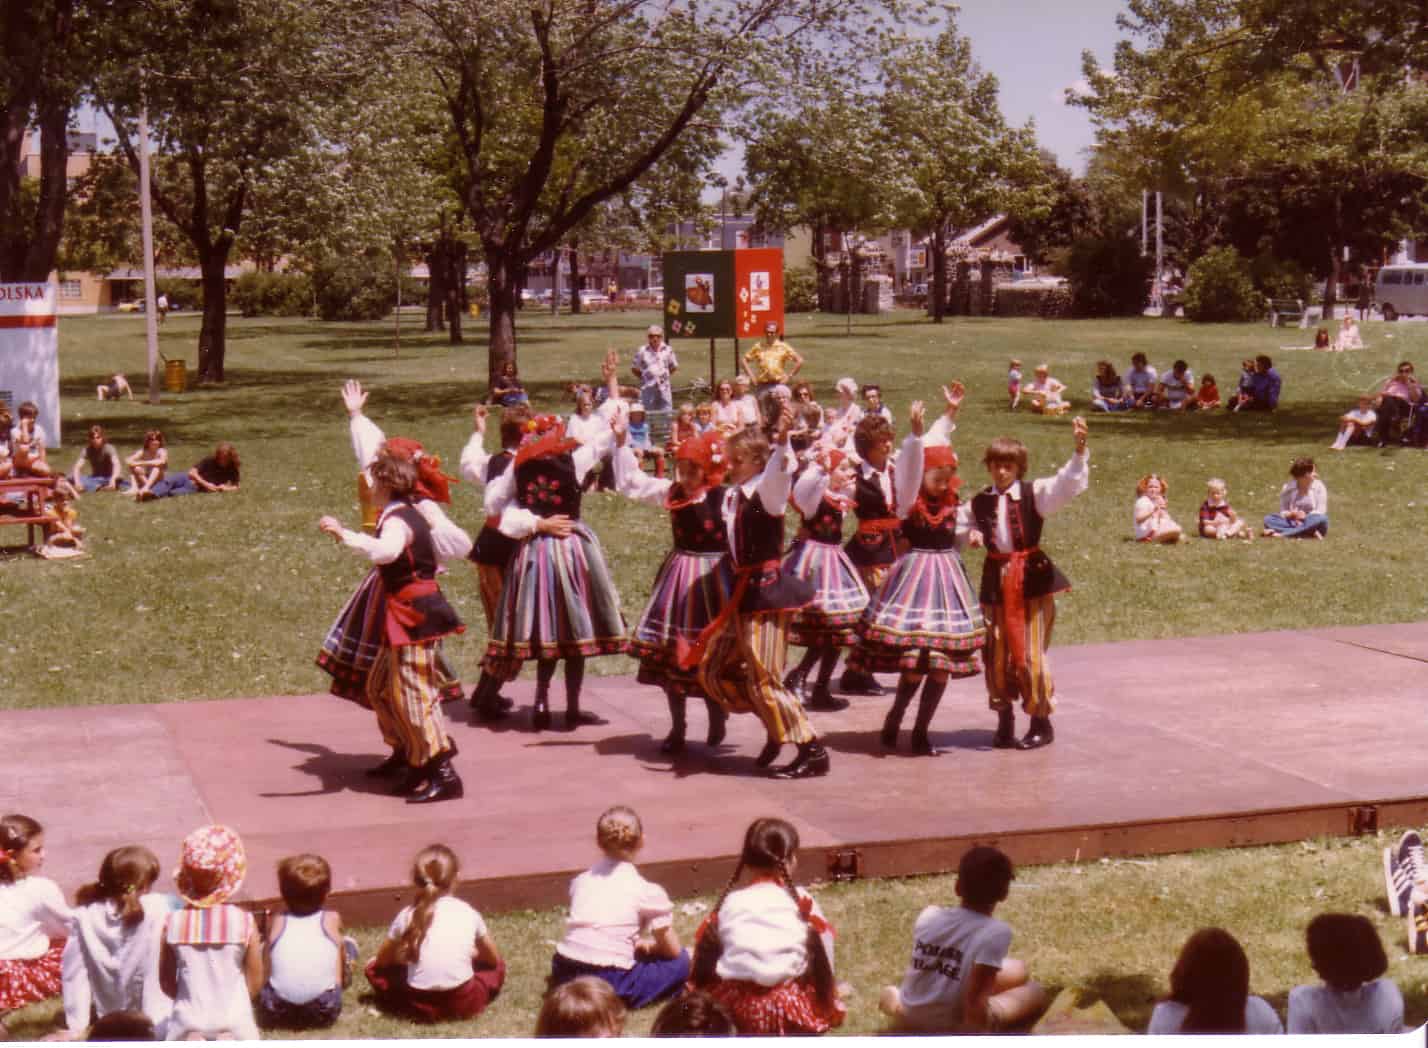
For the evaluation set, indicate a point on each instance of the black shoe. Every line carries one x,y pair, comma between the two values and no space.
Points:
922,746
1005,738
576,718
1038,735
673,742
540,718
769,753
491,711
413,781
824,700
812,762
445,784
859,684
795,679
389,767
718,725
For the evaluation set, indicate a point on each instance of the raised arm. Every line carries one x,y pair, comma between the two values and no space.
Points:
635,483
1053,493
367,437
474,455
777,478
809,488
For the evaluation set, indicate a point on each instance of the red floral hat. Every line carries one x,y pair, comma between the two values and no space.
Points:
211,868
431,482
709,453
544,435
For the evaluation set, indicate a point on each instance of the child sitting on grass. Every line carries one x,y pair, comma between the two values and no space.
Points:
307,956
1355,425
1153,522
1218,519
1209,991
960,979
438,960
34,919
1354,997
147,465
583,1007
620,926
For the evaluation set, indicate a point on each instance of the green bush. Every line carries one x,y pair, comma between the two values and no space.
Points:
800,290
355,288
1218,289
1014,300
1280,279
273,294
183,293
1108,277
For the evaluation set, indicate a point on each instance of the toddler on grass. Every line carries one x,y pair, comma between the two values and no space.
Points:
1153,522
1218,519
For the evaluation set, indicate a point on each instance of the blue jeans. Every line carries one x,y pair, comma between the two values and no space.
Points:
1312,524
648,981
174,485
88,484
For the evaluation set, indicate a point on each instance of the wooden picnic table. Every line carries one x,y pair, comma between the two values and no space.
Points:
30,510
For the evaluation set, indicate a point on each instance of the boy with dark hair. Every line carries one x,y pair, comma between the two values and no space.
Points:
960,979
307,958
1019,582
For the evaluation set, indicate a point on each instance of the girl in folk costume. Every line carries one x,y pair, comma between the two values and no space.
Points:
404,684
875,546
695,580
559,600
493,552
1019,582
34,919
924,622
766,952
823,494
741,654
354,639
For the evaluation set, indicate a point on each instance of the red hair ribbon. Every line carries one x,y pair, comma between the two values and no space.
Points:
431,482
805,910
545,436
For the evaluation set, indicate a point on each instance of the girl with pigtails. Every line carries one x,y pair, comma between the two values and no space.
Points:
766,952
438,961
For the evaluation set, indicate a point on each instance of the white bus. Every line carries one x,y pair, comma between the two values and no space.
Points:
1402,289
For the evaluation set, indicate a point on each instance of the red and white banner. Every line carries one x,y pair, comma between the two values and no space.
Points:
29,352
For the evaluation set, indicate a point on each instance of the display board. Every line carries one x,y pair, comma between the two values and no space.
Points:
722,294
29,352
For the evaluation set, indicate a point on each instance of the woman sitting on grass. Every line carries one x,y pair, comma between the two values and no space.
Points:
1209,991
1354,997
1303,505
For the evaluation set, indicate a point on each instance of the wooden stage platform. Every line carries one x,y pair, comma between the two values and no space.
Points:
1161,746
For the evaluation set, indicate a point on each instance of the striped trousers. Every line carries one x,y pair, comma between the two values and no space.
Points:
743,671
1032,682
404,689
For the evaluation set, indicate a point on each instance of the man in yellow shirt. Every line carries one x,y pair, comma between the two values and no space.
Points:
770,363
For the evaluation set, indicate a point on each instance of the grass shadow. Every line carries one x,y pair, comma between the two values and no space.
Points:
1131,998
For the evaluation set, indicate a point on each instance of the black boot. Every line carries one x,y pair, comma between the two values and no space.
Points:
1005,738
486,699
906,688
413,780
674,741
574,677
825,701
389,767
796,677
443,782
718,722
540,717
926,708
1039,734
811,762
857,682
768,753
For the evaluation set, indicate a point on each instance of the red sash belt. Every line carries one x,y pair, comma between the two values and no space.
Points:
689,655
878,525
402,616
1014,599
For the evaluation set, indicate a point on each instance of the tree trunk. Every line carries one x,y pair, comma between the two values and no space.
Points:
455,286
938,297
28,250
502,278
212,342
1336,254
435,285
820,267
575,276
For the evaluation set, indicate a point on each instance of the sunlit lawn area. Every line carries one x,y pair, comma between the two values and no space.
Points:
220,596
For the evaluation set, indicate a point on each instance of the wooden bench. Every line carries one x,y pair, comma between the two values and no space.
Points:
1283,309
30,511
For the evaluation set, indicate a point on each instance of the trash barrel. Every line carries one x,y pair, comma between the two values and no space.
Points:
175,376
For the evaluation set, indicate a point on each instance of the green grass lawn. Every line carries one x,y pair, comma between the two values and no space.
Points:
223,596
1109,929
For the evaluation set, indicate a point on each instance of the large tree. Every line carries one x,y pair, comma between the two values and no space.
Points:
231,89
557,106
952,160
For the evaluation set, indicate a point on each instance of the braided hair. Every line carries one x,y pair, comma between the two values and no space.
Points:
125,874
434,873
769,845
16,832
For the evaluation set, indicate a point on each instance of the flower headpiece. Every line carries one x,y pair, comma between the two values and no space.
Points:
709,453
544,436
431,482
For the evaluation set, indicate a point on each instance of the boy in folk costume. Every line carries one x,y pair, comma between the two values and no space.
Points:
1019,582
493,551
874,547
741,654
404,685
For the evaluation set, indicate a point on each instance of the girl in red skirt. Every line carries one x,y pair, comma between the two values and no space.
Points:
766,952
34,918
439,960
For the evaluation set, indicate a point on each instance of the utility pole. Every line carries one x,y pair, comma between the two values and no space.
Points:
146,217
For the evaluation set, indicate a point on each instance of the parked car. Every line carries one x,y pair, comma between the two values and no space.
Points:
527,295
589,296
137,306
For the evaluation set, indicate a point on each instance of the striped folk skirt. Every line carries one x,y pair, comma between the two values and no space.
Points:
356,637
926,618
689,590
558,602
839,598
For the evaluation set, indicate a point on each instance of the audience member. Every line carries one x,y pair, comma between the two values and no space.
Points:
1108,389
507,390
1153,522
308,957
1176,387
1209,991
655,364
583,1007
1395,403
217,473
693,1014
1354,997
1140,380
1356,425
103,462
1218,519
1303,505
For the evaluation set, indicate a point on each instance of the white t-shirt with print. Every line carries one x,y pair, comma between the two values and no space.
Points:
946,943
